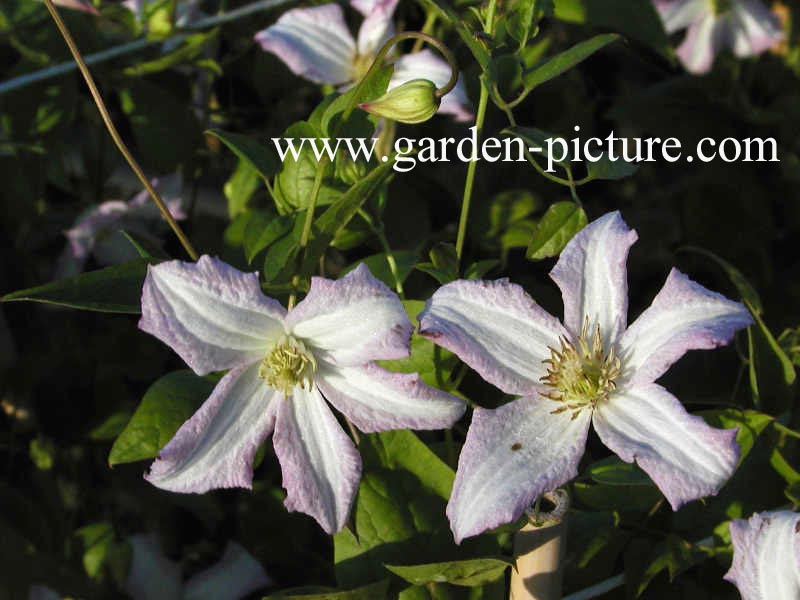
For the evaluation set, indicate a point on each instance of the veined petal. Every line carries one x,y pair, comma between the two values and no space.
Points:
766,556
757,28
377,27
212,315
152,575
236,575
216,446
375,399
513,455
592,276
427,65
704,39
321,467
679,14
683,316
352,320
686,458
315,43
494,327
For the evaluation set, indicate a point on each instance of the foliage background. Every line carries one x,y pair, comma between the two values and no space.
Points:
71,379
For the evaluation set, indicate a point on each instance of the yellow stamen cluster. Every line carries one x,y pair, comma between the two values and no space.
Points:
579,376
287,365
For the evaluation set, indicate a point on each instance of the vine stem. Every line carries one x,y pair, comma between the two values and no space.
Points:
469,182
112,130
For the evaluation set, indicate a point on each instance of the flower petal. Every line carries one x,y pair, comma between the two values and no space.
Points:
494,327
236,575
212,315
593,278
683,316
766,556
426,65
375,399
686,458
151,575
352,320
377,27
216,446
321,467
679,14
513,455
757,28
704,39
315,43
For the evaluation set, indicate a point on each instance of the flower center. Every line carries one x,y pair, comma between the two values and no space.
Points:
287,365
720,6
361,65
581,375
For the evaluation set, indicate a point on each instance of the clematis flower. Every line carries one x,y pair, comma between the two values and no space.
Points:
284,369
316,44
153,576
746,27
766,556
593,368
96,232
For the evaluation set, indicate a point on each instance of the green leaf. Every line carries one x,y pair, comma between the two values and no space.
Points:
97,539
263,230
615,471
240,187
636,498
380,269
165,406
111,427
478,269
566,60
372,88
42,451
144,247
116,289
467,35
637,19
261,158
443,265
372,591
468,573
557,227
191,48
771,371
675,555
608,169
750,424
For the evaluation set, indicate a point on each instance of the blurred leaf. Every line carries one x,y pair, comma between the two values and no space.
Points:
615,471
240,187
636,498
191,48
111,427
42,450
771,372
97,539
468,573
608,169
165,406
557,227
263,230
675,555
479,269
443,265
373,591
566,60
749,424
116,289
261,158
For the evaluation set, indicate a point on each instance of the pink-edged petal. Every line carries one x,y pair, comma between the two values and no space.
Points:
592,276
81,5
315,43
513,455
766,556
679,14
427,65
236,575
321,467
151,575
366,7
704,40
683,316
686,458
215,448
496,328
214,316
757,28
352,320
375,399
377,27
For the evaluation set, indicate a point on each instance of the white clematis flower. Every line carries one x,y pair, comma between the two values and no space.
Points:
747,27
593,368
283,369
766,556
315,43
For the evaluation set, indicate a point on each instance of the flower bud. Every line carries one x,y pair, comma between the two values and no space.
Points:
413,102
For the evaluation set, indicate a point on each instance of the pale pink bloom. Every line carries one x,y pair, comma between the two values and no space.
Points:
315,43
766,556
284,369
747,27
97,231
153,576
592,369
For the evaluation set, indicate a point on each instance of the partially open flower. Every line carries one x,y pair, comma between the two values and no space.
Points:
413,102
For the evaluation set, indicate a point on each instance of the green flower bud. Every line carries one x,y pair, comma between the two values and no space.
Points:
414,101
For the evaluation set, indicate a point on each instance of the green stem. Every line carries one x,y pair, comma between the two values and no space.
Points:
387,250
483,102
